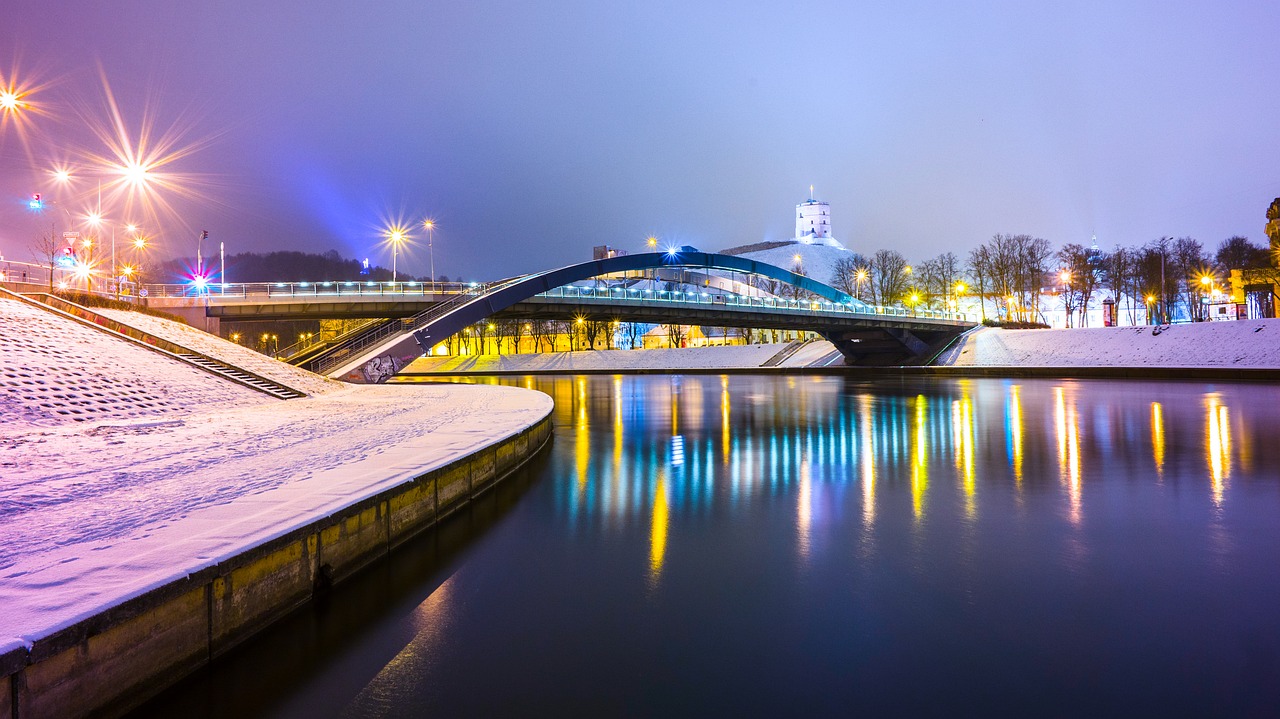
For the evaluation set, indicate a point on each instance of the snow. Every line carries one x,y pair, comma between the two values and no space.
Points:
816,261
727,357
1246,344
103,509
55,371
228,352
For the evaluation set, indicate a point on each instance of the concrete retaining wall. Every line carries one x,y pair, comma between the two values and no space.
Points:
115,660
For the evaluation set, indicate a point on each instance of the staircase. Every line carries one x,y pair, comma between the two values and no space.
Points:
342,351
262,384
785,353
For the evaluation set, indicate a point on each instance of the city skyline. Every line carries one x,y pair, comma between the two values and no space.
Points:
544,133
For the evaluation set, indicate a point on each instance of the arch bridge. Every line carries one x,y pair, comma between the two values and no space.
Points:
864,335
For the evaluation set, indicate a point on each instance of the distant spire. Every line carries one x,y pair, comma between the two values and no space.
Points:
810,192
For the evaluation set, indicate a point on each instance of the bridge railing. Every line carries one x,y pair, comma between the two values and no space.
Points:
343,352
746,301
246,290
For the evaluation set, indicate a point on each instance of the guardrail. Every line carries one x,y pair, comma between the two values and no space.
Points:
245,290
745,301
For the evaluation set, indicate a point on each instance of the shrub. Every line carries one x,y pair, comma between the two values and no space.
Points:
1015,324
85,299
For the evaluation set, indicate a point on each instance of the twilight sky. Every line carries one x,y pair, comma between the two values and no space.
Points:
533,131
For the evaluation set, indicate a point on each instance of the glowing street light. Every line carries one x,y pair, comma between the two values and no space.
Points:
395,235
652,242
430,226
11,101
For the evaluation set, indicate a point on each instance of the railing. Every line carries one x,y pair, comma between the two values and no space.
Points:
246,290
728,300
342,352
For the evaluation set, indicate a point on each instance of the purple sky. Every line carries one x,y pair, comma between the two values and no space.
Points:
531,134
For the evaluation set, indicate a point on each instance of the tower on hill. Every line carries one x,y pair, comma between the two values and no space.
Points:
813,222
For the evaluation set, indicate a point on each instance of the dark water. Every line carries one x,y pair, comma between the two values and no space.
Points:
742,545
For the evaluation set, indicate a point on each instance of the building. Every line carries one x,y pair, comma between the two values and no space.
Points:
813,222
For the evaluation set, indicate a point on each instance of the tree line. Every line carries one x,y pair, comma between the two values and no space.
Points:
1014,273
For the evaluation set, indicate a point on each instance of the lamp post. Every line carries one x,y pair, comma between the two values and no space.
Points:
396,236
430,226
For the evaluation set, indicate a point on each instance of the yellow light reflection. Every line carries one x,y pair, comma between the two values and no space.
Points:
1067,425
1157,437
1218,429
962,434
582,436
868,461
724,418
658,529
920,467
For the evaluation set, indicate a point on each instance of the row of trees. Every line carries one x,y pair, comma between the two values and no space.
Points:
1015,273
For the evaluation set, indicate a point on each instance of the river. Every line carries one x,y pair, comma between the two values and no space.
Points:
775,545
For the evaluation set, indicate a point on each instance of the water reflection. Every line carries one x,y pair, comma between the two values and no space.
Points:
1218,444
665,451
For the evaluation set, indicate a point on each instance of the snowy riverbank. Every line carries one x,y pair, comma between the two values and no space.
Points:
124,470
1247,344
1252,344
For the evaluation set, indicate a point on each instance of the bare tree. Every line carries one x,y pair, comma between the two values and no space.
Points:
980,272
849,274
888,277
1238,253
676,335
1120,277
595,329
46,248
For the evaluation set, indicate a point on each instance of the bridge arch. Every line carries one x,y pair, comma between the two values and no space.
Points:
863,336
451,320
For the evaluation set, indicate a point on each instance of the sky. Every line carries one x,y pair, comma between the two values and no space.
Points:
531,132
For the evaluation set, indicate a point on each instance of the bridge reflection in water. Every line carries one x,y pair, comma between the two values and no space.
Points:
662,451
779,546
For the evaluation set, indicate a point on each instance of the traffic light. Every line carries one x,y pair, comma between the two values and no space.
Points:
36,203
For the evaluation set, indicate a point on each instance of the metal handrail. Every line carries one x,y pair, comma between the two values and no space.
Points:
340,288
782,303
336,355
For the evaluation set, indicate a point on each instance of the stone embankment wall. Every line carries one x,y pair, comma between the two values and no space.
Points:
113,661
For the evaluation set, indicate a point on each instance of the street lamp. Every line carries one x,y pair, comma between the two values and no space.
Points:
396,235
430,226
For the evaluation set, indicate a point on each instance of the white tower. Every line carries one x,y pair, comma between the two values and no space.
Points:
813,222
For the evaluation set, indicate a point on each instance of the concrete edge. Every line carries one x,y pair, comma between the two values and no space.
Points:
1231,374
117,659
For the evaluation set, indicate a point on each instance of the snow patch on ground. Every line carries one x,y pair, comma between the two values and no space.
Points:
55,371
224,351
1246,344
816,261
729,357
104,509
